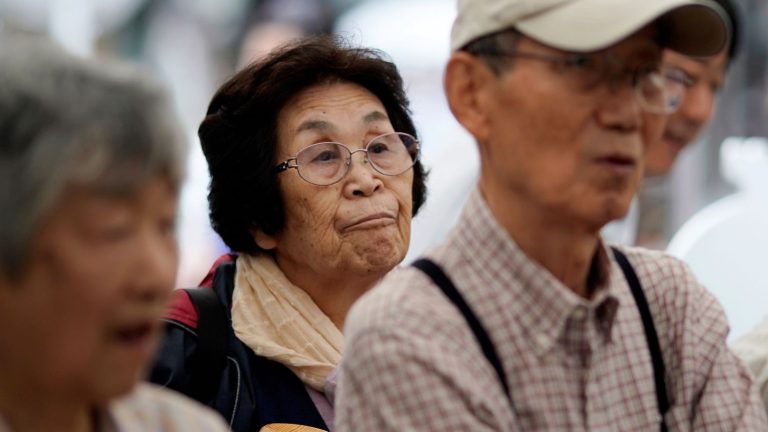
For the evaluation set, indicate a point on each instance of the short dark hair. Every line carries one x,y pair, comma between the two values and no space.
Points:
239,132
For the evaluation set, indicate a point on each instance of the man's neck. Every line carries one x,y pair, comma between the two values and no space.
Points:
563,247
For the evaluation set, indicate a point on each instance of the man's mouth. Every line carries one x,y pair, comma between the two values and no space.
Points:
676,140
619,163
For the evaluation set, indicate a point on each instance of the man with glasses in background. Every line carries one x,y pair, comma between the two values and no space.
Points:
703,78
523,319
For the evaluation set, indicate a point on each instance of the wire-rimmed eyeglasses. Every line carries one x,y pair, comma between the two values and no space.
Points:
659,88
326,163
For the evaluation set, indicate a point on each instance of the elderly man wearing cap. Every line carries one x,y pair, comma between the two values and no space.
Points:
523,319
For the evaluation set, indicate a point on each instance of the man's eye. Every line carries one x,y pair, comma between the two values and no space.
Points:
678,76
580,62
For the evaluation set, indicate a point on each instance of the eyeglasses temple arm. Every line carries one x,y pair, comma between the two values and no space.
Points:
285,165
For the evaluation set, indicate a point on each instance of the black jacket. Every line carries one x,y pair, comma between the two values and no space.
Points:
252,391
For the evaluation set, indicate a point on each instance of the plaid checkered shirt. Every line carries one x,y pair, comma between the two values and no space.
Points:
411,363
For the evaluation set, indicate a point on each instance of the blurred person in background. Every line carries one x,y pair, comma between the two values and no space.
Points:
90,166
275,22
753,346
540,325
314,179
753,349
704,76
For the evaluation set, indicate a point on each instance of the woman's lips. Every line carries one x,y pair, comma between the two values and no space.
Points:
138,337
375,220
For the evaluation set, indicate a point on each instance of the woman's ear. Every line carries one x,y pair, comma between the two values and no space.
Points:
263,240
467,81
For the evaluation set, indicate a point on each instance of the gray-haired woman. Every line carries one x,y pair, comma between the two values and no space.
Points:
90,167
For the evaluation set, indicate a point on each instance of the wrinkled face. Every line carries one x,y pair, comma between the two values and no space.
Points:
360,225
83,319
570,153
705,77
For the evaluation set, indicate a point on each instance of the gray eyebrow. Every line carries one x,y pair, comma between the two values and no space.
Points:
318,125
375,116
323,126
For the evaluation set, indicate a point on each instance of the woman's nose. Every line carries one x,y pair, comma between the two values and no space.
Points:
156,262
362,179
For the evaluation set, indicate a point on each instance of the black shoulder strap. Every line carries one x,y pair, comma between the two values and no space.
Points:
441,280
650,334
209,358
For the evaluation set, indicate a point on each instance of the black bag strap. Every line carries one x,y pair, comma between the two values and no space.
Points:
440,279
209,358
651,336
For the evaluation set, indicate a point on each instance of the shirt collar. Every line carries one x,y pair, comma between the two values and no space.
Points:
545,302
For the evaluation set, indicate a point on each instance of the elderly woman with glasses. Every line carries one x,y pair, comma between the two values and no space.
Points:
90,167
314,180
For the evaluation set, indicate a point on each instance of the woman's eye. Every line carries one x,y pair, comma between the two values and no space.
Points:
168,227
114,233
378,148
326,156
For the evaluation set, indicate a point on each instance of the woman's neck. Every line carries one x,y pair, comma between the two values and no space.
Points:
27,411
335,298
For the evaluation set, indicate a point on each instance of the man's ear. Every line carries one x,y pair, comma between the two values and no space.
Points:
467,82
263,240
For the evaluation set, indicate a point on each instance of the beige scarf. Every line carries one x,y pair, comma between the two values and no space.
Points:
279,321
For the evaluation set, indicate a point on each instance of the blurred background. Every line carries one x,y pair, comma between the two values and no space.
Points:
192,46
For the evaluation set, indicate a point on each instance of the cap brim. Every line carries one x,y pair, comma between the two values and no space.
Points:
691,27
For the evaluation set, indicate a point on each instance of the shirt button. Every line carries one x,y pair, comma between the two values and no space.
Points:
542,340
579,312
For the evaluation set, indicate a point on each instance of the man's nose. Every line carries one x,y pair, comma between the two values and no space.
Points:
619,109
697,103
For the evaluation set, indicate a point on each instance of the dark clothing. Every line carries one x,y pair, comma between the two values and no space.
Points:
253,391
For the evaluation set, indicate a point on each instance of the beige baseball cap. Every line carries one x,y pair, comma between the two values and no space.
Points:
691,27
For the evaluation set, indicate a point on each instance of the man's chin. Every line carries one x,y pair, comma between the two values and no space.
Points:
612,210
661,166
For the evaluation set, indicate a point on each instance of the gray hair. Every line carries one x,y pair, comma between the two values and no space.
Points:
490,48
67,121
